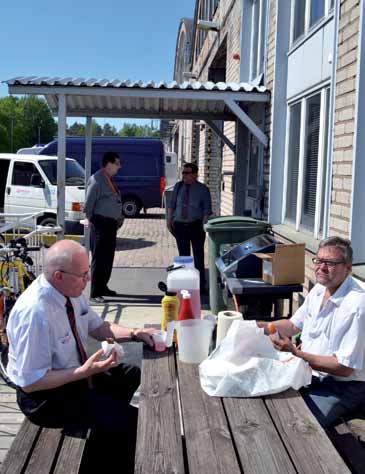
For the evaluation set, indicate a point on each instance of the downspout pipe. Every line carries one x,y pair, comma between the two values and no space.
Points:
327,202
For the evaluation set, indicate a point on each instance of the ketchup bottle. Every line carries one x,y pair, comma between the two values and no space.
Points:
186,311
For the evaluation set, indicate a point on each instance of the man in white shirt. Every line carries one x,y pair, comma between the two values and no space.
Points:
332,325
57,384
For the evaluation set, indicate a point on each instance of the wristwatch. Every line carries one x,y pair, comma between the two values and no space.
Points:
133,335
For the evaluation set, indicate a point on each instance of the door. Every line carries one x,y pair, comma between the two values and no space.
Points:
254,199
26,190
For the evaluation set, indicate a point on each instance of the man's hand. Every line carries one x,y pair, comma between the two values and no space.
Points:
94,365
145,335
283,344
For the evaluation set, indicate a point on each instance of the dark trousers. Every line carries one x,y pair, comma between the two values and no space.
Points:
329,400
192,233
103,238
105,409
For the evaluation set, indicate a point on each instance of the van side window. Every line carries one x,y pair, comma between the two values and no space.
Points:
25,174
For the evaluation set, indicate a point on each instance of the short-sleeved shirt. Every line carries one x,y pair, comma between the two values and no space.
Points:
39,332
336,329
199,205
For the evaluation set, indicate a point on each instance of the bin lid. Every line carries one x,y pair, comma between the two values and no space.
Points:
225,222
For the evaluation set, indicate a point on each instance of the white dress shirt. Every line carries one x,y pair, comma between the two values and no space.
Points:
336,329
39,332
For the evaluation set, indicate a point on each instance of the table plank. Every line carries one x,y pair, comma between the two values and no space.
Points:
306,441
257,441
207,436
159,447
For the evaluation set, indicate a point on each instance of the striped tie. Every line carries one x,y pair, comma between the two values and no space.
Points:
71,317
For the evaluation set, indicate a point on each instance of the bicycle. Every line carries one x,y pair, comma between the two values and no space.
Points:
15,277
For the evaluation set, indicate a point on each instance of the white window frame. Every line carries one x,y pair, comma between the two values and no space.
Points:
320,193
307,27
257,38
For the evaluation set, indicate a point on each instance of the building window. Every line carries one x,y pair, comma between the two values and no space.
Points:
293,163
306,163
299,19
306,14
207,9
316,11
258,38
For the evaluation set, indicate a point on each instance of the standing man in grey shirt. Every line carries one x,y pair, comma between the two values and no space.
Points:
103,210
188,211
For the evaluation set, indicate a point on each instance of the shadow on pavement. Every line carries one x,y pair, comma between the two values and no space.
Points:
130,244
153,215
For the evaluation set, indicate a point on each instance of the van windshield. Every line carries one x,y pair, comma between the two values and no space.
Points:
75,174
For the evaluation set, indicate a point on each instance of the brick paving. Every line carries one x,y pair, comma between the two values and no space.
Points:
145,242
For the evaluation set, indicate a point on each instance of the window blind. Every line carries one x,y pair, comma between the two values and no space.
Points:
311,161
293,163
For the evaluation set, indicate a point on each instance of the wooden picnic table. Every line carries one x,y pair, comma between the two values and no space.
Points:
181,430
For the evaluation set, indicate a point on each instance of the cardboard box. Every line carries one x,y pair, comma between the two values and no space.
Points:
285,266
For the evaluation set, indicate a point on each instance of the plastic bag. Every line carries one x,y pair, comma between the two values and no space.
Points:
247,365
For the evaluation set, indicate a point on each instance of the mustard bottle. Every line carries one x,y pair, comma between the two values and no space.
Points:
170,308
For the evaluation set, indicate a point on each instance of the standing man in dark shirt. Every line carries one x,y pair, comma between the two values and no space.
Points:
188,211
103,211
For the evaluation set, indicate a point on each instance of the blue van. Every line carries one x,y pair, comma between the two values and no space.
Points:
141,178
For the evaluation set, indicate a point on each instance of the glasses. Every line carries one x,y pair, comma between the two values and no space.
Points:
328,263
187,172
84,275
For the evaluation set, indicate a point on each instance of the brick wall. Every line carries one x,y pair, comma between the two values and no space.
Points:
344,117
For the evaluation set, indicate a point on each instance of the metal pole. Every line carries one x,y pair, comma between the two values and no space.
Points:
61,165
12,133
88,145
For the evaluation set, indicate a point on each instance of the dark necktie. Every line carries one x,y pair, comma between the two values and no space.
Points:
185,203
71,317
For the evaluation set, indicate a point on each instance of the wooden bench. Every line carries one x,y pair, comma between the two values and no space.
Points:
349,440
37,450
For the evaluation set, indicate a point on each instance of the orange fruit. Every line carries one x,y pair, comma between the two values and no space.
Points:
271,328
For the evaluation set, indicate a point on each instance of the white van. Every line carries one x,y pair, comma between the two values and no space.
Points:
28,184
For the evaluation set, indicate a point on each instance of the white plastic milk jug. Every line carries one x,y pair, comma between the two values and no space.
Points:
193,337
184,276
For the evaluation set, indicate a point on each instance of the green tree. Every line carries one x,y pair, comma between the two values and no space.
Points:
134,130
24,122
109,130
76,130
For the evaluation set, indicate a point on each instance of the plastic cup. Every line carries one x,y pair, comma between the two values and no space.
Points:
159,339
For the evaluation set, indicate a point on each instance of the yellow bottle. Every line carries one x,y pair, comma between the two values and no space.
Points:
170,308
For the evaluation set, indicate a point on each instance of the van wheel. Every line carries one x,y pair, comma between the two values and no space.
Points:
48,221
131,207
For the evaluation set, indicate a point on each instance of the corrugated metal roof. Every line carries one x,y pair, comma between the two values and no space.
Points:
117,83
138,99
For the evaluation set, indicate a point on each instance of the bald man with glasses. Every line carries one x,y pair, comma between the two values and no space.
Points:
332,325
58,385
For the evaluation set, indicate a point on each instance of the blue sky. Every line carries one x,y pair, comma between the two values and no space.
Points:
121,39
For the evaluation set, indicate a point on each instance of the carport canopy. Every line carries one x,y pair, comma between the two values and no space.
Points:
91,98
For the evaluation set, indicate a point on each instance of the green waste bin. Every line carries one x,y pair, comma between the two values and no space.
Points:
227,230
